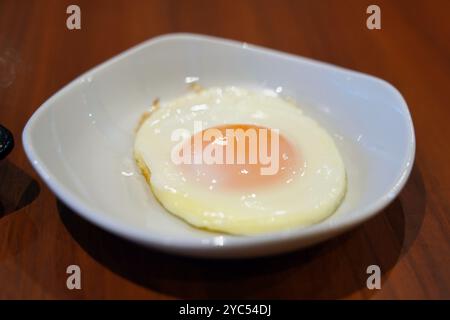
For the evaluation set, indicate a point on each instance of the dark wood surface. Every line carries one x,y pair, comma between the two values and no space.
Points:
410,240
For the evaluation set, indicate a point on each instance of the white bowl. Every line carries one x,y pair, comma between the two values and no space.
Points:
80,140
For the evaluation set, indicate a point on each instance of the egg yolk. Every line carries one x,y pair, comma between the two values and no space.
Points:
240,156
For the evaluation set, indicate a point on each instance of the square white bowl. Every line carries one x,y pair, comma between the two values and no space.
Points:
80,140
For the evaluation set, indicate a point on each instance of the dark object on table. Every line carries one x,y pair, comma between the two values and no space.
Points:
6,142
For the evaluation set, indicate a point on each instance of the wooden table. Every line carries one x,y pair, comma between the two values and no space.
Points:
410,240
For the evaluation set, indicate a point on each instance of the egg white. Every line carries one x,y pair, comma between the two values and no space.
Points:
306,200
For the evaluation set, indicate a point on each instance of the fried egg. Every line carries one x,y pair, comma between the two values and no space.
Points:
239,161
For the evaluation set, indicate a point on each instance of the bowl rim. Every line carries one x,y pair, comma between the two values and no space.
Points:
115,226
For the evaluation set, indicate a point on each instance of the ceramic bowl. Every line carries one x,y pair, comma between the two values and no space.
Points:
80,140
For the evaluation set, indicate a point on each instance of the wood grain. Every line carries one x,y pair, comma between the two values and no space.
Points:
410,240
